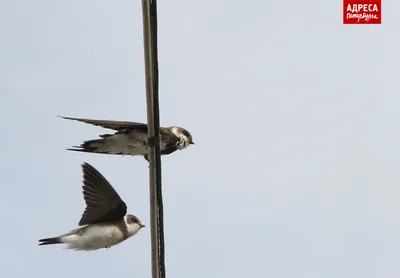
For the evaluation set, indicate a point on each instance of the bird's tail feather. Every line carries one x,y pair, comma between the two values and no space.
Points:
50,240
91,146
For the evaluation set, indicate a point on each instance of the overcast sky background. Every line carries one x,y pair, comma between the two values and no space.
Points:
295,116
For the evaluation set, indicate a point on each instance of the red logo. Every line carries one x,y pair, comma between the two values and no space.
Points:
362,12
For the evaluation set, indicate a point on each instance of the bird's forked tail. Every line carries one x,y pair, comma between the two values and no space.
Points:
50,240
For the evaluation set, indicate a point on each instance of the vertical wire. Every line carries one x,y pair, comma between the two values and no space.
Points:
153,118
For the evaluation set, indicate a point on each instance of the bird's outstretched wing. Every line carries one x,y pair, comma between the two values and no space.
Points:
102,201
115,125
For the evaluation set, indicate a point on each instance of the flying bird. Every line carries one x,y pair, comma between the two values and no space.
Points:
104,221
131,138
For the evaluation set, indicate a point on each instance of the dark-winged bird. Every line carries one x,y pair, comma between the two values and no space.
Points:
130,138
104,220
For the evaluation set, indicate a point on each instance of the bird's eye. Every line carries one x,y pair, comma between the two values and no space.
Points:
133,220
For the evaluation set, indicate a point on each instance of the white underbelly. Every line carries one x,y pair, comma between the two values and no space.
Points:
125,144
95,237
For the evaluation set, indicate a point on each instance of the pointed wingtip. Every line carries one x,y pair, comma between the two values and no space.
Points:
87,168
86,165
71,118
68,118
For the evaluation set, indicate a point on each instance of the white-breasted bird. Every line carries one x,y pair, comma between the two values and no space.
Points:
104,220
131,138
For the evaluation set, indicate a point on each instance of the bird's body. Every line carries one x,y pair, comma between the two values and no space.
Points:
104,221
130,138
96,236
122,143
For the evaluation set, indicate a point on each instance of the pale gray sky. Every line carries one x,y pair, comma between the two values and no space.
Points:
295,118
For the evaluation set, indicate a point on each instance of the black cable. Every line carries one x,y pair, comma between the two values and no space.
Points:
153,24
156,117
153,117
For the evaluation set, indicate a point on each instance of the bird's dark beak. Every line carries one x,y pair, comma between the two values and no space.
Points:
142,225
191,143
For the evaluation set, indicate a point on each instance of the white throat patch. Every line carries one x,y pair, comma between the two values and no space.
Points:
132,228
183,140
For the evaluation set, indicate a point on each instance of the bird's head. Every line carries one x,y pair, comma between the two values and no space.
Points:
185,138
133,224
